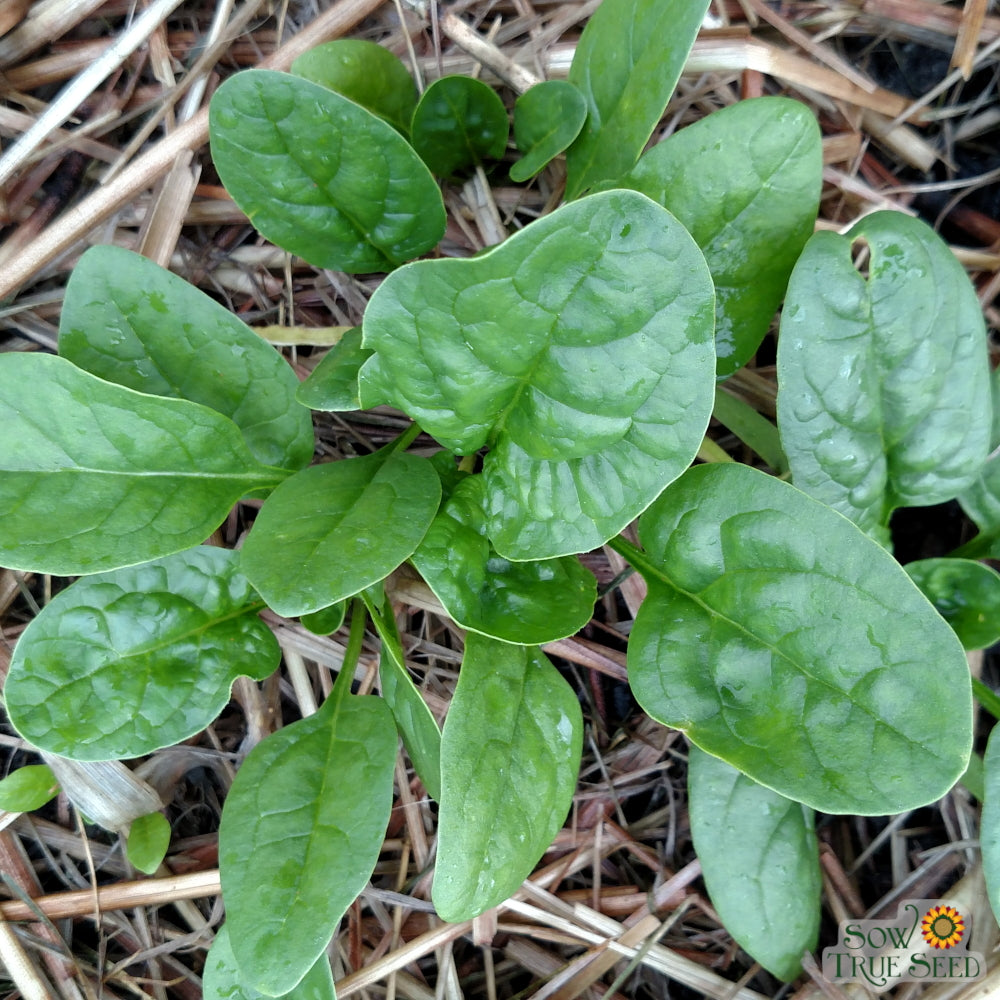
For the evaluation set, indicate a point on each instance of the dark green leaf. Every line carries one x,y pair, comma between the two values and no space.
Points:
148,840
782,639
320,176
28,788
326,621
547,118
966,593
120,664
333,384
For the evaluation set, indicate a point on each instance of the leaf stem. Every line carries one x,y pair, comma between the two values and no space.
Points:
355,639
405,439
635,557
711,452
986,697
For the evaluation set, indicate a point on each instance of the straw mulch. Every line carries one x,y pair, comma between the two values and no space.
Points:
103,122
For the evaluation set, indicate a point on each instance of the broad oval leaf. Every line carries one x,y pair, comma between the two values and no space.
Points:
148,840
966,593
785,641
547,118
28,788
760,861
627,63
458,123
883,383
524,602
301,831
320,176
745,181
365,72
127,320
989,827
510,755
580,350
95,476
120,664
333,383
331,530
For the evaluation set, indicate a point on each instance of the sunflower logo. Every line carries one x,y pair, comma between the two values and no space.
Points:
942,926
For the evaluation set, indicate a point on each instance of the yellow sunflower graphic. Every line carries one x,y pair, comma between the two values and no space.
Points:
942,926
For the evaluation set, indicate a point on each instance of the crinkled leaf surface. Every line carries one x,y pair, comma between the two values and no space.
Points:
547,118
120,664
301,831
989,827
331,530
524,602
760,861
333,383
28,788
320,176
884,383
365,72
510,755
745,181
148,840
95,475
458,123
627,63
966,593
580,350
782,639
127,320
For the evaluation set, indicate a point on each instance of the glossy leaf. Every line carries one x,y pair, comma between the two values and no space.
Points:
745,181
301,831
120,664
458,123
524,602
782,639
884,397
326,621
967,595
148,840
330,531
28,788
627,63
580,350
989,826
365,72
760,861
320,176
510,755
547,118
127,320
94,475
333,384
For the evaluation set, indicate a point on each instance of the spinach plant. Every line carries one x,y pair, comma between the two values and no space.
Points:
569,375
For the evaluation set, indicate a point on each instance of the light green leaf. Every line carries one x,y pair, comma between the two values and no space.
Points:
989,826
120,664
884,383
458,123
760,861
94,475
785,641
148,840
330,531
745,181
333,384
510,755
627,63
320,176
524,602
28,788
301,831
367,74
127,320
580,350
547,118
966,593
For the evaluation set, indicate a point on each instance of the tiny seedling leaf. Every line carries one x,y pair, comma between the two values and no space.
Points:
28,788
547,118
148,840
333,384
966,593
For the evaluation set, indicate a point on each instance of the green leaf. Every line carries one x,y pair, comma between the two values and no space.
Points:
28,788
785,641
365,72
148,840
627,63
966,593
120,664
525,602
458,123
547,118
320,176
745,181
326,621
127,320
301,831
330,531
333,384
580,350
884,383
94,475
223,979
989,826
760,861
510,755
751,427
